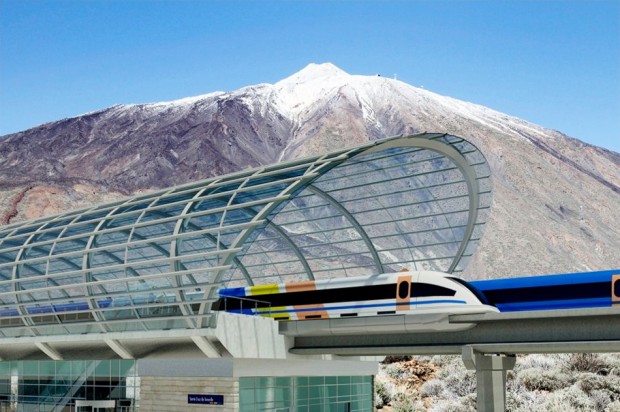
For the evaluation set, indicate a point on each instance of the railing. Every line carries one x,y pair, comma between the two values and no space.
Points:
251,306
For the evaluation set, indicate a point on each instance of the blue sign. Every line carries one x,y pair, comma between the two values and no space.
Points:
205,399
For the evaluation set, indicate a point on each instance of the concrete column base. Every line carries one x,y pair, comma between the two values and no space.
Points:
490,377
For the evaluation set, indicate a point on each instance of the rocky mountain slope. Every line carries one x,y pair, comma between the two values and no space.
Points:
555,198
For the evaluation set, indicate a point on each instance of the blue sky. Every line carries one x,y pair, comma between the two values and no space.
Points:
554,63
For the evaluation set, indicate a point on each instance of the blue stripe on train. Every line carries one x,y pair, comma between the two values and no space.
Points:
232,292
544,280
555,304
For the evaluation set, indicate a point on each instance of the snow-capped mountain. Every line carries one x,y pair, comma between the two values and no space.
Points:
555,197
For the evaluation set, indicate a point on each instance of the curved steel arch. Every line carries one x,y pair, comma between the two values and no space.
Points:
461,162
240,239
371,247
26,317
86,264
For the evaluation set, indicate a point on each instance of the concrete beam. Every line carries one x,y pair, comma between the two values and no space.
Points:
490,378
245,336
238,336
48,350
206,346
551,331
118,347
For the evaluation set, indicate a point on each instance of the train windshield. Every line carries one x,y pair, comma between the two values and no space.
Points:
481,297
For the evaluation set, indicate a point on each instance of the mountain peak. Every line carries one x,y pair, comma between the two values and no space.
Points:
308,86
329,69
314,72
547,188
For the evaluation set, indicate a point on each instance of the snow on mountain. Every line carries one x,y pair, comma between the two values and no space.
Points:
555,197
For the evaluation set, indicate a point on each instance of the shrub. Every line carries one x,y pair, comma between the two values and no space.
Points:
577,399
379,403
458,381
433,389
394,371
519,399
612,360
600,399
461,384
404,403
466,404
394,358
442,360
536,380
542,362
385,391
567,399
589,382
586,362
613,407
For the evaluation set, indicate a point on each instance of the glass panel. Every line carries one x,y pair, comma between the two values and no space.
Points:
93,216
10,243
112,238
106,258
64,264
70,245
176,198
143,252
40,385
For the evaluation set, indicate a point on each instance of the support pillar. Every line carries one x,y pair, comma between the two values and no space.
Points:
490,377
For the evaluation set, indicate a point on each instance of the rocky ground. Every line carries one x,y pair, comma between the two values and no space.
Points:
566,382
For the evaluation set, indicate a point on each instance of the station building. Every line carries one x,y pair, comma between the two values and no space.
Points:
109,308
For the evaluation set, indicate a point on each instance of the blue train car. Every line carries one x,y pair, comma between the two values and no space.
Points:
565,291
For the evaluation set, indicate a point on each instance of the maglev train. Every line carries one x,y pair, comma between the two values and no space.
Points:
421,292
548,292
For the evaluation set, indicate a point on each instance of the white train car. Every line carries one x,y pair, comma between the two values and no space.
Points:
407,293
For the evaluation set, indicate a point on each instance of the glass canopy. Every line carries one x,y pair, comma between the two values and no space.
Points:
156,261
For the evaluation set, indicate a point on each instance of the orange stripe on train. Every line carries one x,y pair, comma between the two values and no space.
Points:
403,303
303,287
300,286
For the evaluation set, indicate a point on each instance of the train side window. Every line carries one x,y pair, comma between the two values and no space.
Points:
403,290
617,288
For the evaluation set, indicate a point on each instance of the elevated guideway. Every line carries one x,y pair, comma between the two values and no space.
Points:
556,331
577,312
487,342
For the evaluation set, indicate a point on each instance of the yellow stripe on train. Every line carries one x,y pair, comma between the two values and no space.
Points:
281,312
264,290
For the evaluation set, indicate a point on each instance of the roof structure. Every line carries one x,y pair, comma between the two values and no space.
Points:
156,261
